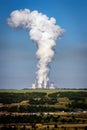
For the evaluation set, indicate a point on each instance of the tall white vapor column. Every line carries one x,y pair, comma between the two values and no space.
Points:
42,30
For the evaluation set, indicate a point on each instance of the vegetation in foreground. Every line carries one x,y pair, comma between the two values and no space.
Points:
44,107
32,102
45,127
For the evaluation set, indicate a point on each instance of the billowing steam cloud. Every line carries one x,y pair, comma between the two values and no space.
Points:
44,32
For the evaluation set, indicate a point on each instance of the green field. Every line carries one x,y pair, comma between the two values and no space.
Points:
47,90
48,100
47,107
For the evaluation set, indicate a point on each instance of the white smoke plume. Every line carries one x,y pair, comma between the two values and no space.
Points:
44,31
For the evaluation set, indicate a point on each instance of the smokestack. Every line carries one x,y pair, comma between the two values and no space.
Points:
40,86
44,31
45,86
33,86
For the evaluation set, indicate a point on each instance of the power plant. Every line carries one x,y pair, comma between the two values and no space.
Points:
48,86
45,32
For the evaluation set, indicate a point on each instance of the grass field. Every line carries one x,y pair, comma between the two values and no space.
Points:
65,107
47,90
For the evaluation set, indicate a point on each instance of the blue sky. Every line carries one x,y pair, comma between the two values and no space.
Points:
17,51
